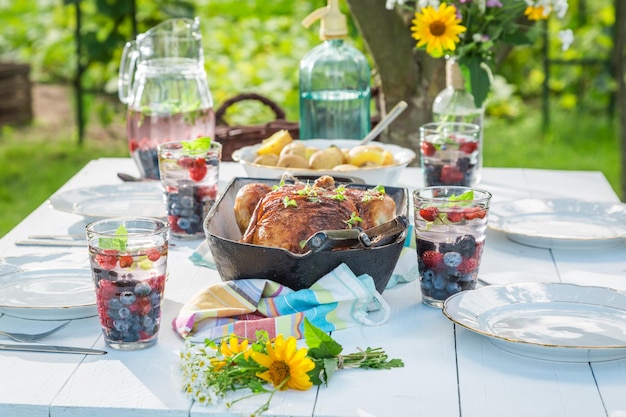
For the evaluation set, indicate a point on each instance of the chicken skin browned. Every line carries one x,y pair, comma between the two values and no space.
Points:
287,216
246,200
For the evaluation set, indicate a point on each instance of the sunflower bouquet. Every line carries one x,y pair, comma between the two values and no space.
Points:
471,30
211,370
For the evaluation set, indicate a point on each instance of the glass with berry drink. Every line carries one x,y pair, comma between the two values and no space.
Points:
189,174
450,229
128,259
450,153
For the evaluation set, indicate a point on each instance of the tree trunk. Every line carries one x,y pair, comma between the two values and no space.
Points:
618,73
402,72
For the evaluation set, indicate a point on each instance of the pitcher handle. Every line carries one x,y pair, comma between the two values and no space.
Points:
127,67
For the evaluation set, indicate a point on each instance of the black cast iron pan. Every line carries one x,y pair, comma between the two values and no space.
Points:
236,260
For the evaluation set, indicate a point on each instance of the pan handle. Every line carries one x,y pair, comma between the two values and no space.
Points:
326,240
350,238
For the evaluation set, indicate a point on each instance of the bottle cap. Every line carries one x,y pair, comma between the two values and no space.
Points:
333,22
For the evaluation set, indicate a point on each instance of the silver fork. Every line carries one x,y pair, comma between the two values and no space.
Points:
27,338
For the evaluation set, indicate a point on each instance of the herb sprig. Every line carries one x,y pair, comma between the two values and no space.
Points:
197,146
116,243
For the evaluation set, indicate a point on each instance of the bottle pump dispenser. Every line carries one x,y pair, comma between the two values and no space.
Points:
334,82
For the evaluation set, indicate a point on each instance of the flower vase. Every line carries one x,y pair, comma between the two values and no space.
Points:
455,104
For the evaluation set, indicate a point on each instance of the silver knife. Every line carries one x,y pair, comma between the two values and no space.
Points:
51,348
60,237
51,242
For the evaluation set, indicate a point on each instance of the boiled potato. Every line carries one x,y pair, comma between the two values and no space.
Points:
340,154
269,159
281,150
325,159
292,161
295,148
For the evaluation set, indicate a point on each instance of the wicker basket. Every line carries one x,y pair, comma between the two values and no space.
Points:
235,137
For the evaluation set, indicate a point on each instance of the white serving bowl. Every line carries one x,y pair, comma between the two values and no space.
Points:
382,175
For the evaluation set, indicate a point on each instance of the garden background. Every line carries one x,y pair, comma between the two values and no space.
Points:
571,122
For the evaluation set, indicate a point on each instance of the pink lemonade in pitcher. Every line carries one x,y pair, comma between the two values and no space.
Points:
146,132
163,81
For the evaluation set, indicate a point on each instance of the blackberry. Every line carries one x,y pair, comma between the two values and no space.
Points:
432,174
465,245
463,164
446,247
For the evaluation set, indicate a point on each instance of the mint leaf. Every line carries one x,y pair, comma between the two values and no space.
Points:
115,243
466,196
197,145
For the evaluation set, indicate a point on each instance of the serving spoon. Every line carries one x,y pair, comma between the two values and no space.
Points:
385,121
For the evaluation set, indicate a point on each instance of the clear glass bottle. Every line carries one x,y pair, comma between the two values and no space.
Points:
455,104
334,82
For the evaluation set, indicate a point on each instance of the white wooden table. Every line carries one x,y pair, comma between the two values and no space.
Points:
449,371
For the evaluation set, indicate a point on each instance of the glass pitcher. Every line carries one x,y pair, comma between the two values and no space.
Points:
163,82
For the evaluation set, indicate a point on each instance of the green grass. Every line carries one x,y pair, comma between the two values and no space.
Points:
33,168
575,141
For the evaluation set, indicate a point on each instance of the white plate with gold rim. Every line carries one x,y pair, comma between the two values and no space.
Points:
48,294
552,321
560,223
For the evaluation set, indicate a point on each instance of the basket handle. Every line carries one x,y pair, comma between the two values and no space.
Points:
221,111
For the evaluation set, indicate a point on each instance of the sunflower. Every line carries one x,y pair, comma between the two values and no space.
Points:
536,13
438,29
287,366
232,347
229,348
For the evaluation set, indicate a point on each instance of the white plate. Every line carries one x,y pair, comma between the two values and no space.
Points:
143,199
48,294
560,322
383,175
560,223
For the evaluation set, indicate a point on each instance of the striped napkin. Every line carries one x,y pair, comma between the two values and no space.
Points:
338,300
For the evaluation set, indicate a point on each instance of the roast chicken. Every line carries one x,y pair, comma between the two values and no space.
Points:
287,216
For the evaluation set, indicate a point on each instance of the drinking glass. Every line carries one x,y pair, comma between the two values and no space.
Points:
190,181
450,153
128,259
450,230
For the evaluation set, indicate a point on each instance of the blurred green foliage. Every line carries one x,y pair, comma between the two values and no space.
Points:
253,46
587,85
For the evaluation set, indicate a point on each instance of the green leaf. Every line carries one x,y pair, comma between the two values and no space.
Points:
479,81
198,145
320,344
115,243
330,366
289,202
316,374
468,195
